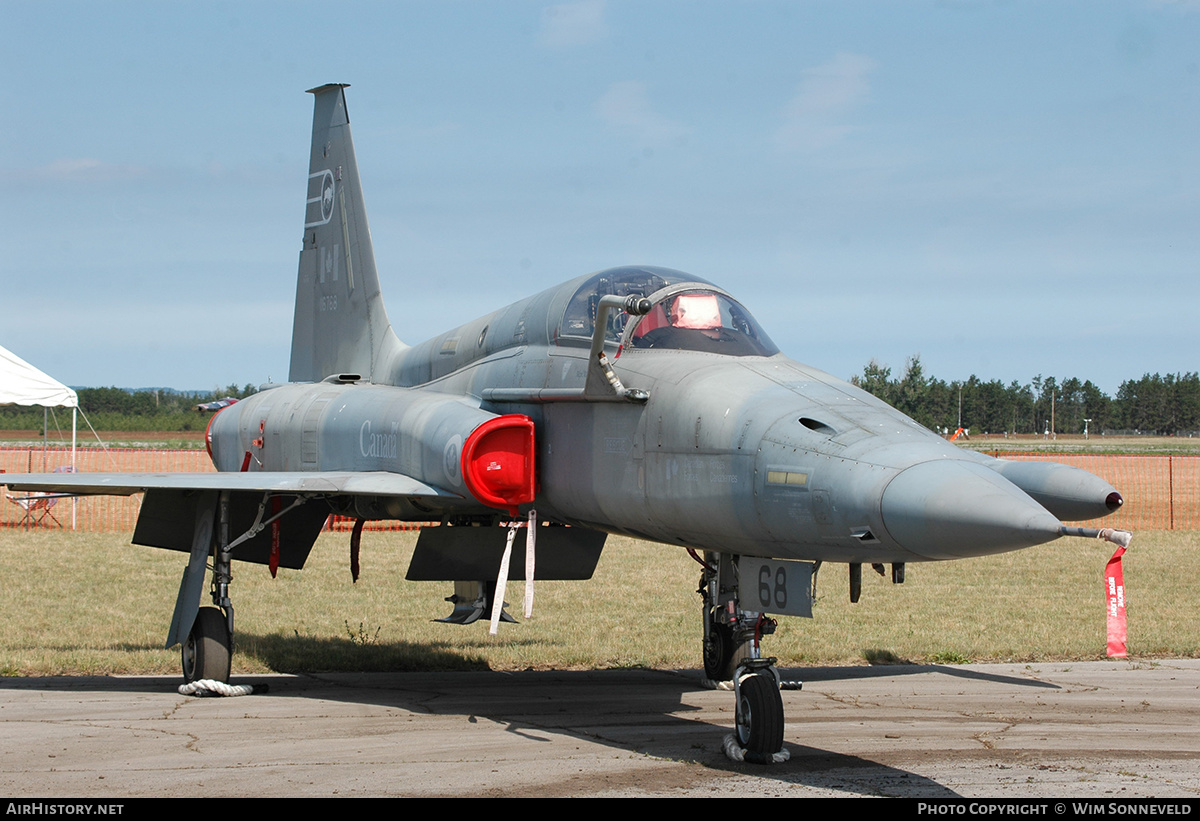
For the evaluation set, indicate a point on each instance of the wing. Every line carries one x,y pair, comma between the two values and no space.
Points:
372,483
301,501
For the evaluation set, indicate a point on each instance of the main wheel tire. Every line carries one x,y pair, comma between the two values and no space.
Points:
208,651
760,717
718,653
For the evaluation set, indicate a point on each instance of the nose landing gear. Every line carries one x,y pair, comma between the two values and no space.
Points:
732,659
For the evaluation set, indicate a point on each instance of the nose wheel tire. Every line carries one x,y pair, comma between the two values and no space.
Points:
759,717
718,653
208,651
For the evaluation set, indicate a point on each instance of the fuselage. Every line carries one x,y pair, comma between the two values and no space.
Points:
751,453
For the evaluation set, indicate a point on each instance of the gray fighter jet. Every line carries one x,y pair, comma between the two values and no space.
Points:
638,400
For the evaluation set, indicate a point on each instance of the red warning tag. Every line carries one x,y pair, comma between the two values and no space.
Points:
273,556
1114,589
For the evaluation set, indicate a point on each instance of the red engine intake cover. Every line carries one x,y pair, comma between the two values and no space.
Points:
497,462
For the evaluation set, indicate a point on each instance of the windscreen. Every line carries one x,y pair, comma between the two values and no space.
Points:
700,320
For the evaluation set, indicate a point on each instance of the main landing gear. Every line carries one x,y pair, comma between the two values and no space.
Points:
732,654
207,653
206,633
473,600
207,648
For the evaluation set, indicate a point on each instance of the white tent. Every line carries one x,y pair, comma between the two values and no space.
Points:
23,384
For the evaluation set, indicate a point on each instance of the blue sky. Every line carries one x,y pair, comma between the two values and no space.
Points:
1005,189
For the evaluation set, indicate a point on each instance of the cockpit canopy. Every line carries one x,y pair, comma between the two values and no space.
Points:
688,314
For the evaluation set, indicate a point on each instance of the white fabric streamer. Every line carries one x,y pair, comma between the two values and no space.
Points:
502,581
530,553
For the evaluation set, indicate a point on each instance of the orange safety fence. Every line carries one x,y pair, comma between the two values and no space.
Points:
95,513
114,513
1161,492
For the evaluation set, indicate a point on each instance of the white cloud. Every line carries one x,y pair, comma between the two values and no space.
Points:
80,169
626,106
573,24
815,117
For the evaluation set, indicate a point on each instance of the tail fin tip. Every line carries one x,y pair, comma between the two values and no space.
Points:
325,86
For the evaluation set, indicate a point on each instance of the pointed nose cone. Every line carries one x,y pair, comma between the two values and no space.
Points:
949,509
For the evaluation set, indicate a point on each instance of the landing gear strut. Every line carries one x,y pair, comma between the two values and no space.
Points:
732,654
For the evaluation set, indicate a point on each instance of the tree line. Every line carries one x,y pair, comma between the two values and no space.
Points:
1164,404
1167,405
120,409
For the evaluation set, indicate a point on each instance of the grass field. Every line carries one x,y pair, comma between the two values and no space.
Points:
185,440
1037,443
79,603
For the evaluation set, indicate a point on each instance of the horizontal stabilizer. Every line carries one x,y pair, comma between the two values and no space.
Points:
473,553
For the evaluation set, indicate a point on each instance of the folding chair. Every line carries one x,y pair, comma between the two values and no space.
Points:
37,505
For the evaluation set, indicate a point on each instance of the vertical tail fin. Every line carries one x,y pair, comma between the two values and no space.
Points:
340,324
